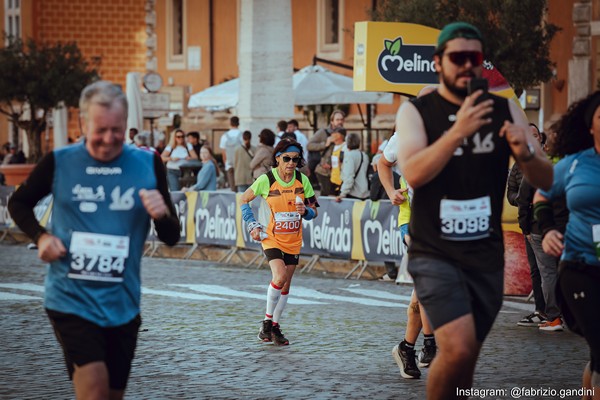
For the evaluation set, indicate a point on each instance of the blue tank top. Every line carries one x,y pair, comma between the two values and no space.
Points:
99,216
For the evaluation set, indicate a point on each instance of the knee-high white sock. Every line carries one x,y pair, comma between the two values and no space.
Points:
280,307
273,295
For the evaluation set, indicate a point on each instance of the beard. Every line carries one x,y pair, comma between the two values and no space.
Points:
451,83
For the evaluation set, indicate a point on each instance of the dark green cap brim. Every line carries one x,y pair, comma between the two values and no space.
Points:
457,30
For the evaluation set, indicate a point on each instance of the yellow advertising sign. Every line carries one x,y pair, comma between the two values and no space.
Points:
398,57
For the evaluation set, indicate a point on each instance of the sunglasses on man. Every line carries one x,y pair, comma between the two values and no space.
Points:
460,58
287,159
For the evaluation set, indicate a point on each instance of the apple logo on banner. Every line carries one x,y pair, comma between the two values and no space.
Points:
402,63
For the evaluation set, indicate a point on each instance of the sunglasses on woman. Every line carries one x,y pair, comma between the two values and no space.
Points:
459,58
179,137
287,159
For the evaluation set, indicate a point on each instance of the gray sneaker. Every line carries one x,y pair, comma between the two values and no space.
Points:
407,362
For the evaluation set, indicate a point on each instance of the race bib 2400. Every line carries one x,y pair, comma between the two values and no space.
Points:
287,222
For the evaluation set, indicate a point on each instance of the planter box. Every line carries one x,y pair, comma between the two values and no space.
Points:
15,174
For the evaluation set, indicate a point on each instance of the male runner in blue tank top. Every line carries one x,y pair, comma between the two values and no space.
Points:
104,196
455,153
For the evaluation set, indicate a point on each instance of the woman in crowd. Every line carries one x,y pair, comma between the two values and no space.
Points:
354,171
176,153
576,177
261,161
207,176
281,187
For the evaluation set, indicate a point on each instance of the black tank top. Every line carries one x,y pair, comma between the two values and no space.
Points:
457,215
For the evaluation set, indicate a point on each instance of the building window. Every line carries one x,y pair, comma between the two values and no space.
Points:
330,17
176,28
12,19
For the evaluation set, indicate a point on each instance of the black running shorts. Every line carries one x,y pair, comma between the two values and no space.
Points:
84,342
448,292
579,301
276,254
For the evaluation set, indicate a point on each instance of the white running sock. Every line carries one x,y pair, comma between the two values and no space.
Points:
273,295
280,307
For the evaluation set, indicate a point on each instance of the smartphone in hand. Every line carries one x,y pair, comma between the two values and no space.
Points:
476,84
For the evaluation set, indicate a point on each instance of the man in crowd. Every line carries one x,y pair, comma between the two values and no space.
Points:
229,142
243,156
105,194
454,152
321,140
193,138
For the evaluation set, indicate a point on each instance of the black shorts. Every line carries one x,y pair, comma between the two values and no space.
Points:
84,342
579,300
448,292
276,254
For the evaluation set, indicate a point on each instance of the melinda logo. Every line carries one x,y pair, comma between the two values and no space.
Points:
401,63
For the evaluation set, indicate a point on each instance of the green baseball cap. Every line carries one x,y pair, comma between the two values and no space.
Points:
457,30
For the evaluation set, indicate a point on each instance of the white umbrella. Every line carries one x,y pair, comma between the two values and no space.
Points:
317,85
312,85
135,118
60,119
219,97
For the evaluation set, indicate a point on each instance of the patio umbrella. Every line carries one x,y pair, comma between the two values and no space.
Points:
317,85
60,120
312,85
135,118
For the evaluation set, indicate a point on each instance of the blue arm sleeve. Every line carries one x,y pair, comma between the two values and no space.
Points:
247,214
310,214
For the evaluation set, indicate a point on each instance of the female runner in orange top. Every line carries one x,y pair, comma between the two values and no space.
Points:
281,187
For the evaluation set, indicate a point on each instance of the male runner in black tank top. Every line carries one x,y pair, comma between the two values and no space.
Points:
455,154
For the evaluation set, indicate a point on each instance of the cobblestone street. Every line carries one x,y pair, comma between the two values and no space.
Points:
198,338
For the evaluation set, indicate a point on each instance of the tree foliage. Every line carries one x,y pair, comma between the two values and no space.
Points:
517,37
35,78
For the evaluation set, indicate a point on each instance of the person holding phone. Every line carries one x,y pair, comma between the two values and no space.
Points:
454,153
290,198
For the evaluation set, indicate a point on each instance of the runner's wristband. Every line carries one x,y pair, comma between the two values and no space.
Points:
247,214
309,214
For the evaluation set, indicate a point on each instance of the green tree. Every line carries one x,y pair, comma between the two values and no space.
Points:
35,78
517,37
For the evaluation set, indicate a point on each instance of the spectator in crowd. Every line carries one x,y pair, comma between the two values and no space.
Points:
320,141
243,157
159,141
281,130
329,169
354,171
293,127
229,142
515,178
261,162
207,176
193,138
4,150
14,156
175,154
132,133
141,141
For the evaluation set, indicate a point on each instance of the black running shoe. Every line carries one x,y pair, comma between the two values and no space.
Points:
407,362
426,355
264,335
277,337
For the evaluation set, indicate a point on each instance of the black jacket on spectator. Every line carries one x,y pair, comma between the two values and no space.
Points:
514,181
